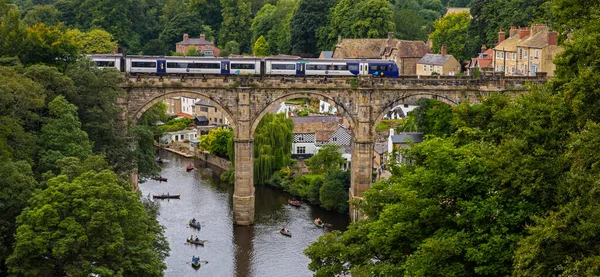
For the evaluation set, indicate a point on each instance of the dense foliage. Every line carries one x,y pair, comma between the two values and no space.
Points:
272,146
217,141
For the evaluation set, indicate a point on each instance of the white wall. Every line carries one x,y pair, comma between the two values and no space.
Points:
310,147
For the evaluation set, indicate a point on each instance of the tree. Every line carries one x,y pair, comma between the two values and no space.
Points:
306,21
12,34
92,225
409,25
46,14
98,41
17,186
261,47
333,194
374,20
433,117
237,17
326,160
48,45
217,141
62,136
231,48
272,146
451,30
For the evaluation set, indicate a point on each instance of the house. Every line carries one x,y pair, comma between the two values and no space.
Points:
405,53
326,107
173,105
400,111
526,51
207,48
402,140
483,61
305,133
210,112
179,136
440,64
380,149
187,105
184,115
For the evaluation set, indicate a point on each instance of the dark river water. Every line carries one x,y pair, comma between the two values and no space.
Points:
258,250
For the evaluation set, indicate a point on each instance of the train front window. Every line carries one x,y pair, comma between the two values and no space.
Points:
105,63
243,66
143,64
289,66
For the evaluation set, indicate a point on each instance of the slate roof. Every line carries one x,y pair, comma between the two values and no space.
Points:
324,135
405,137
314,119
509,44
203,103
538,40
407,48
201,118
195,41
434,59
381,147
326,54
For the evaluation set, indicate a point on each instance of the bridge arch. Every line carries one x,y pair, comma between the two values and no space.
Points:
137,115
395,101
294,95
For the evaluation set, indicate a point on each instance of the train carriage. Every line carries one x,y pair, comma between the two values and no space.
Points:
108,60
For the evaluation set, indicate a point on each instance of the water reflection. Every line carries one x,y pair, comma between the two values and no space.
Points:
258,250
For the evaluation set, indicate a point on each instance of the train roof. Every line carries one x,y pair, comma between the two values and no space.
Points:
119,55
283,59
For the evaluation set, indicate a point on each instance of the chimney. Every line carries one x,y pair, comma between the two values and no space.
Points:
339,39
116,50
523,32
501,35
443,50
202,37
390,35
536,28
186,36
483,48
513,31
552,38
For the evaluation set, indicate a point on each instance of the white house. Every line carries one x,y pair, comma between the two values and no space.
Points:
325,107
400,111
179,136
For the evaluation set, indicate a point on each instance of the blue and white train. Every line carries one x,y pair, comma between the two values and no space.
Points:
268,66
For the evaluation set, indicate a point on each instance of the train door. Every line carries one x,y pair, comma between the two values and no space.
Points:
225,67
161,66
364,69
300,68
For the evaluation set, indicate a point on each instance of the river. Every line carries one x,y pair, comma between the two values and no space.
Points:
253,251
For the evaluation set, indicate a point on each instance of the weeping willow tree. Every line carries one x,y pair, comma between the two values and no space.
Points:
272,146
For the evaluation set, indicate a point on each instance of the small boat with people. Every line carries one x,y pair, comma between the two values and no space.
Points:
319,223
295,203
196,262
159,160
284,231
166,196
159,178
196,241
195,224
190,167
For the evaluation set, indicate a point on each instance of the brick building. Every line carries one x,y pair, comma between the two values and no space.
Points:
207,48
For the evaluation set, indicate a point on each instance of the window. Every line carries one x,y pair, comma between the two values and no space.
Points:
431,68
525,54
520,54
243,66
334,138
289,66
378,67
204,65
353,67
300,138
208,53
512,69
424,67
204,109
301,150
143,64
537,52
176,65
105,63
514,55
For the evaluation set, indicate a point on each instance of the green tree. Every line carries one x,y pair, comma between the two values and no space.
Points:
62,136
231,48
451,30
46,14
374,20
237,18
48,45
273,140
333,194
261,47
94,224
17,186
98,41
12,34
217,141
306,21
433,117
409,25
327,159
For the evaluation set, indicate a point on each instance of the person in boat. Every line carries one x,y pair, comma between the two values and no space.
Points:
197,239
167,194
191,237
283,229
319,221
194,220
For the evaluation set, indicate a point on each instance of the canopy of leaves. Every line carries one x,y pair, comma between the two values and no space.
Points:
237,16
217,141
451,30
327,159
261,47
94,224
272,146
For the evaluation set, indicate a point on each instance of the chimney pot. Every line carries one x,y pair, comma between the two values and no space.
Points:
483,48
390,35
202,36
523,32
339,39
552,38
186,36
443,50
513,31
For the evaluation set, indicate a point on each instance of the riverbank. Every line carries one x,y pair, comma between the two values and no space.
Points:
213,160
178,152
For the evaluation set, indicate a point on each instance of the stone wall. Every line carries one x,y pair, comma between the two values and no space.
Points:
214,160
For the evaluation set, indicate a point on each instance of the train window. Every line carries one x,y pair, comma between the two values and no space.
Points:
243,66
143,64
378,67
105,63
353,67
205,65
176,65
340,67
289,66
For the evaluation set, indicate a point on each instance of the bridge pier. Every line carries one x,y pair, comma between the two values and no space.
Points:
243,195
361,174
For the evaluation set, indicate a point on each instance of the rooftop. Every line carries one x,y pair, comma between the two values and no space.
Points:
407,48
407,137
204,103
359,49
315,119
434,59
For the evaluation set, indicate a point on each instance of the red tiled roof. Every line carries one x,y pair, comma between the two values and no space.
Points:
186,115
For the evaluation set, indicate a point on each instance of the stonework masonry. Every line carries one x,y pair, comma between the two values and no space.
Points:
364,101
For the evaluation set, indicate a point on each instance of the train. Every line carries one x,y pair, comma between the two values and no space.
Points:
267,66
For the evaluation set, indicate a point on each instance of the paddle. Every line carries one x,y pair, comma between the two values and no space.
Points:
189,262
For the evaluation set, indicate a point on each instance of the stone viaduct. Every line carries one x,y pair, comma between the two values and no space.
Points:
364,101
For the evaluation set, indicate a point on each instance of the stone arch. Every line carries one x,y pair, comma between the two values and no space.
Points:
273,103
399,100
137,115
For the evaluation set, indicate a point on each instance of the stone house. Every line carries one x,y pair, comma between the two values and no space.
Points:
310,132
526,51
173,105
207,48
402,140
442,64
210,112
405,53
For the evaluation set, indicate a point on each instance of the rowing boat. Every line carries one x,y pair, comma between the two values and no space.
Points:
319,223
285,232
196,242
195,225
295,203
166,196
